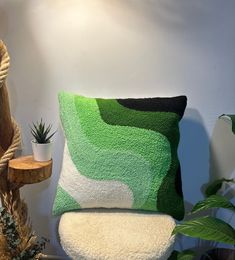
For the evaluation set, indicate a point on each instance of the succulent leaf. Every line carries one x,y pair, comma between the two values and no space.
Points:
41,132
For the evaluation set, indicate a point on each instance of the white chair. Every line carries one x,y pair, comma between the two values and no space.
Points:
116,235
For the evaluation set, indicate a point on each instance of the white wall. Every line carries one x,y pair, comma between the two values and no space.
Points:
120,48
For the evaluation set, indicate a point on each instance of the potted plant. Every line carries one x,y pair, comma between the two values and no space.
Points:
209,227
42,144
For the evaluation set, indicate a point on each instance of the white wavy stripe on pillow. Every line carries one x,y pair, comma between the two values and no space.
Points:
91,193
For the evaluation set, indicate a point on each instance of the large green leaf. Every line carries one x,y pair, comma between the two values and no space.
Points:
207,228
214,201
215,186
183,255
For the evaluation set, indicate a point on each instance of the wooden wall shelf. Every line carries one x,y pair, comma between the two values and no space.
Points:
25,170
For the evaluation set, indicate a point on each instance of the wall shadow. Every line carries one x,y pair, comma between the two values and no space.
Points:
194,158
193,154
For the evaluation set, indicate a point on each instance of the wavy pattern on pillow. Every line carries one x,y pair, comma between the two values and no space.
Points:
111,153
87,191
110,143
113,112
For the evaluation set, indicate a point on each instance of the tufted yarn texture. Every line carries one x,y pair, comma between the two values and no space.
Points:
120,153
116,235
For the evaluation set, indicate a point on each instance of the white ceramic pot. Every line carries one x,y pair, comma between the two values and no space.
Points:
41,152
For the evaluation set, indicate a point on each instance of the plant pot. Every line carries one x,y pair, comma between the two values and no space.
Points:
41,152
219,254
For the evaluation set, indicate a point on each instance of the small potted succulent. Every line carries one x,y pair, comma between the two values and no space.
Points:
42,144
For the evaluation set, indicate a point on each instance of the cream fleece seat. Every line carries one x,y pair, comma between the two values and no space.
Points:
116,235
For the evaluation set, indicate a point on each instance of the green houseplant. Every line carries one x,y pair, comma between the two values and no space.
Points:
41,144
209,227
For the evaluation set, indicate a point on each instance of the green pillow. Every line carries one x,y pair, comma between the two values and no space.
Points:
120,153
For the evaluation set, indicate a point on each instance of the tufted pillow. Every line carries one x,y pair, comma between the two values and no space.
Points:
120,153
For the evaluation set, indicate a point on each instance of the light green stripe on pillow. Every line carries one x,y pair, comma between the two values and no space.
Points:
64,200
97,163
